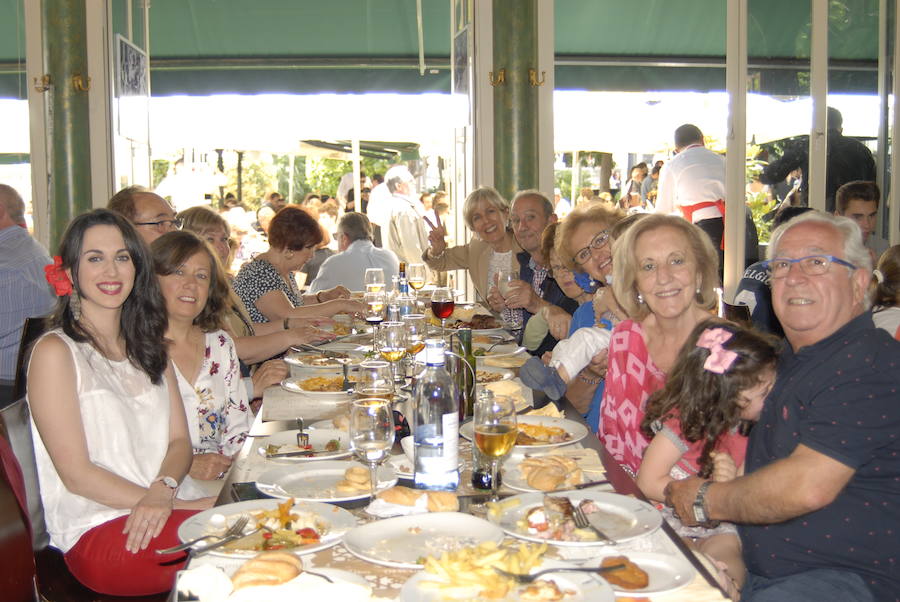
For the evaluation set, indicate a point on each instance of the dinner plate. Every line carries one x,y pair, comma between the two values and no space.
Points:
583,585
576,430
666,572
293,385
204,523
217,578
502,372
621,517
401,541
315,481
318,438
301,360
514,479
325,424
404,468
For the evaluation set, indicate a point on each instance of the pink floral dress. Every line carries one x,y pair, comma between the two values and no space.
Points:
630,379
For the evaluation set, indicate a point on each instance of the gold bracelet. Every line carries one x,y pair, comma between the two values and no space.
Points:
287,323
590,381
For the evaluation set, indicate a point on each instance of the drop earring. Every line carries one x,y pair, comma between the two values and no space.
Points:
640,298
75,305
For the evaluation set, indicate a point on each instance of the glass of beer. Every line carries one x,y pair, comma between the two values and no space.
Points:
495,431
415,274
375,380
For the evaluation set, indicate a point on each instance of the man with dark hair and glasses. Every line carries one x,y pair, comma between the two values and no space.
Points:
148,212
817,508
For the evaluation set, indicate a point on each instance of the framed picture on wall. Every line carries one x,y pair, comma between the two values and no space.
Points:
132,90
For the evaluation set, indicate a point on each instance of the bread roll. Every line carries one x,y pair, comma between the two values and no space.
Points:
342,422
357,475
403,496
442,501
349,488
267,568
546,478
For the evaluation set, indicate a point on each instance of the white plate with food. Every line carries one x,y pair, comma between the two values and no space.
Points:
490,374
496,351
212,582
317,361
571,587
340,422
329,523
544,473
324,444
322,387
664,572
404,541
539,517
539,432
325,481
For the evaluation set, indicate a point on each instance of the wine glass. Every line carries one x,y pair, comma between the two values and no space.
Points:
495,431
374,380
374,303
442,306
374,280
505,278
371,434
416,331
392,344
416,275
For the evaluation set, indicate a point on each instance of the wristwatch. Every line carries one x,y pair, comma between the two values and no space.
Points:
700,514
168,481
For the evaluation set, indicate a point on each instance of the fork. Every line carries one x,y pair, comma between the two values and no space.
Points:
582,522
233,531
520,578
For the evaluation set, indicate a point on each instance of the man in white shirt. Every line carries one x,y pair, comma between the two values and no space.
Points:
405,234
379,206
692,184
357,254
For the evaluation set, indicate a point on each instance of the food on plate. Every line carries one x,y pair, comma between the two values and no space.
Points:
549,473
438,501
323,384
469,572
555,520
479,322
268,568
543,590
356,479
631,576
342,422
484,376
539,434
506,361
332,445
281,529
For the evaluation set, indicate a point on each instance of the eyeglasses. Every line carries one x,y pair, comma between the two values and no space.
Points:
582,256
812,265
558,270
163,224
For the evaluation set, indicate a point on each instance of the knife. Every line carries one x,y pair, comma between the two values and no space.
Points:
201,551
303,453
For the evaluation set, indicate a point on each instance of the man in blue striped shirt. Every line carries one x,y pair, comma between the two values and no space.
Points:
24,291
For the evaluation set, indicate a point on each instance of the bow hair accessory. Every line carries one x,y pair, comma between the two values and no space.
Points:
879,276
57,277
720,359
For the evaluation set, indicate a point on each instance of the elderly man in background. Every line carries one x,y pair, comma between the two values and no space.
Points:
357,253
406,235
24,292
819,506
529,215
149,213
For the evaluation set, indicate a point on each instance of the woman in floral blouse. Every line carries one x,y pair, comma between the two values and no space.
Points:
196,292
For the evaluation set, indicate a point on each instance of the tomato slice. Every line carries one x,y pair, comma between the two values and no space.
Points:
308,533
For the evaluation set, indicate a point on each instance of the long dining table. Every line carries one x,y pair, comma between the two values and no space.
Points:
279,412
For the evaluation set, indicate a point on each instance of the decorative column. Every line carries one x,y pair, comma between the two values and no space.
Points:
66,83
516,80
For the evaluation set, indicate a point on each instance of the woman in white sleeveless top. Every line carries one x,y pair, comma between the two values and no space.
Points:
195,290
111,440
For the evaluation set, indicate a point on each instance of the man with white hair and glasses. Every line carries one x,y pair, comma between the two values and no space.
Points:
818,509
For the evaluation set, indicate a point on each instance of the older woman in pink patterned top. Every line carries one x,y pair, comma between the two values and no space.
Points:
665,274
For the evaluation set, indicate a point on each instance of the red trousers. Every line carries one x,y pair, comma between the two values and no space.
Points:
100,561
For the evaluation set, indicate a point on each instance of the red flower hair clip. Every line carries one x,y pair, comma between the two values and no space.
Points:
57,277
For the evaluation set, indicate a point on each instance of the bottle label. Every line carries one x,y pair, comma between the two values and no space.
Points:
450,423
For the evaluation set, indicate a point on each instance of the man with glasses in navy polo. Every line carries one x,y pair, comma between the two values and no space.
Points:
818,509
148,212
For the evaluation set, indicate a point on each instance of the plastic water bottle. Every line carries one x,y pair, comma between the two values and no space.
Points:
435,423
